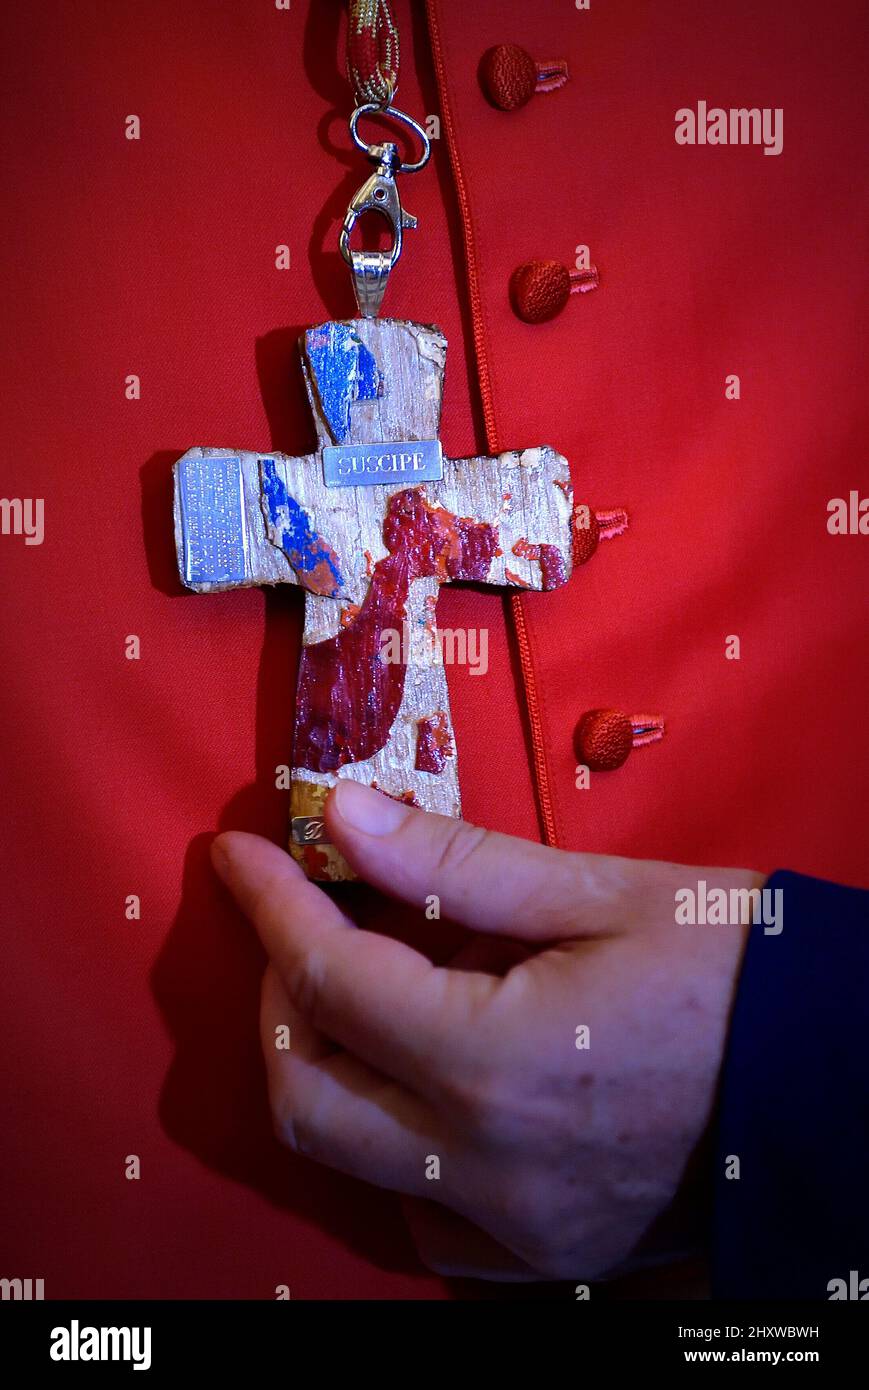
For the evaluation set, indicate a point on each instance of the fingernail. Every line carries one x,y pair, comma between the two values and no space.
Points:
366,809
220,858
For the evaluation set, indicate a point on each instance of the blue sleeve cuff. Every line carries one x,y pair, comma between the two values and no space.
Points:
794,1104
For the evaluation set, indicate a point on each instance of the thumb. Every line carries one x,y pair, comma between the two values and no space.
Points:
487,881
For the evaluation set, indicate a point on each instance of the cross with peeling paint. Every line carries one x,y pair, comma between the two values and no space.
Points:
371,525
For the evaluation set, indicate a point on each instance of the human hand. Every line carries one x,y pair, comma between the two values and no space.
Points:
554,1161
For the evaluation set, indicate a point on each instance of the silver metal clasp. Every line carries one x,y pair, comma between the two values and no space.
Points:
379,194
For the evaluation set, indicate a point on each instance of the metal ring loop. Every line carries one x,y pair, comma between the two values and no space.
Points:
372,107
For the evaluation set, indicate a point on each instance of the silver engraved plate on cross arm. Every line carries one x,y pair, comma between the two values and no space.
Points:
383,465
212,520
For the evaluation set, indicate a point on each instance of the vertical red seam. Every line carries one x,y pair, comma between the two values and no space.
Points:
535,719
541,767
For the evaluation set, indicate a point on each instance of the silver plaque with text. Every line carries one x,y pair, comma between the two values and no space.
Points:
383,465
212,520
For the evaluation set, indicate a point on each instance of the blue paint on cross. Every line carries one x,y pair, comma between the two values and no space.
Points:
344,371
313,559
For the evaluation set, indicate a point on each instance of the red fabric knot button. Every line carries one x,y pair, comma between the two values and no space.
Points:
509,76
590,528
540,289
605,737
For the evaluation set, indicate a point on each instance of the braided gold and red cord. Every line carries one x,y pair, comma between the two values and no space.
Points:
372,51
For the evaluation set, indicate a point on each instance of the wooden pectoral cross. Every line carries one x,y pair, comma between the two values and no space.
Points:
370,526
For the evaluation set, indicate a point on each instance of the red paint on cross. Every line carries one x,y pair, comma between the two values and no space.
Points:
348,696
433,743
406,798
550,559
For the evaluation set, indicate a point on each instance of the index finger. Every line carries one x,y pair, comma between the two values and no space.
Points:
377,997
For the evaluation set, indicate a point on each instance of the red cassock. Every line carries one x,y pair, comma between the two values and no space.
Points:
156,258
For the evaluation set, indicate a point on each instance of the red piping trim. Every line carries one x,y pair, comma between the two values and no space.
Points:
535,719
541,766
467,231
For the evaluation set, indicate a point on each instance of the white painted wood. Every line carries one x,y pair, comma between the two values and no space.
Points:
525,494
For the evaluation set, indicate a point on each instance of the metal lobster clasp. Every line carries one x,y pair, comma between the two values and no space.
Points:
379,194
